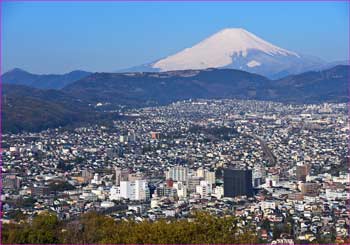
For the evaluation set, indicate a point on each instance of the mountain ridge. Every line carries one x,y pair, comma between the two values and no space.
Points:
235,48
31,109
165,87
43,81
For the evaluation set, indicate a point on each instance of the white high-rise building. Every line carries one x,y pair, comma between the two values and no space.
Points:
201,172
127,190
206,175
177,173
133,190
142,190
209,177
114,193
218,192
204,188
181,189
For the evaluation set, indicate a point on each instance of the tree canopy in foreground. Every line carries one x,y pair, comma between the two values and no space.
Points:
96,228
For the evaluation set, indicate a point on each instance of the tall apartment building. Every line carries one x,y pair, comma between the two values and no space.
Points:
177,173
136,190
206,174
237,182
181,189
204,188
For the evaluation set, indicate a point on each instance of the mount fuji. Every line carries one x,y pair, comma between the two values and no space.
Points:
235,48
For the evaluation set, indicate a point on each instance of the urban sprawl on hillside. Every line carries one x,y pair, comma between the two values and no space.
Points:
281,169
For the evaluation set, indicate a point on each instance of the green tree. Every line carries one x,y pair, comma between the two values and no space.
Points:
43,229
97,228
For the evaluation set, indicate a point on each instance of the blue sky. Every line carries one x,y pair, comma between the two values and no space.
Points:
57,37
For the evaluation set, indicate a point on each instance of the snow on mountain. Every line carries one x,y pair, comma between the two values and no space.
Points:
253,63
218,51
235,48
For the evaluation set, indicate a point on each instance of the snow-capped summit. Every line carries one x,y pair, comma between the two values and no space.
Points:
218,51
235,48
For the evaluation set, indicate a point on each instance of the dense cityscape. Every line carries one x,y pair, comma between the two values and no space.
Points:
280,169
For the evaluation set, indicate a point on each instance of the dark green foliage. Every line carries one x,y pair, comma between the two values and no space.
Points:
30,109
62,165
25,202
59,186
95,228
315,86
281,228
266,224
223,133
79,160
43,229
16,215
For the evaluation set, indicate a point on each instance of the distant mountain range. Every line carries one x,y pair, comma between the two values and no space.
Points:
231,48
32,109
45,81
236,48
232,63
154,88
